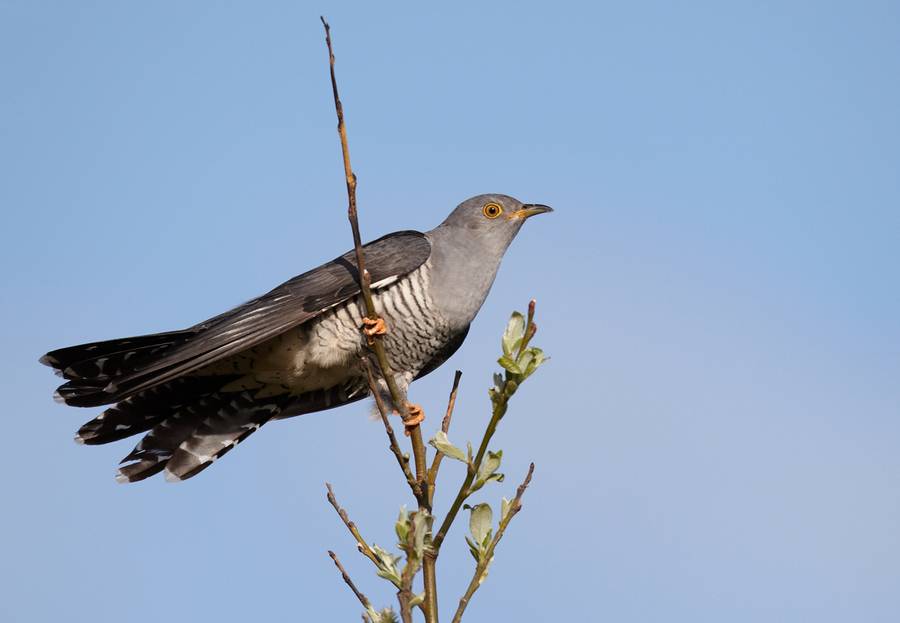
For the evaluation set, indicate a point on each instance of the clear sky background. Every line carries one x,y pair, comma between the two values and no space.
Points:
717,434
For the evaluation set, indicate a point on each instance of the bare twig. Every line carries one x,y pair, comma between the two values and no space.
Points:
360,541
362,598
402,459
485,561
397,397
364,278
451,402
445,426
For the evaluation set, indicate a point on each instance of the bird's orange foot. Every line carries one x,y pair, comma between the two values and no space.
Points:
371,328
416,417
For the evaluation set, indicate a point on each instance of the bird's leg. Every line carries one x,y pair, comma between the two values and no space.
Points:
416,416
371,328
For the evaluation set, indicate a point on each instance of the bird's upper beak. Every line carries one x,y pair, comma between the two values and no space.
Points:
530,209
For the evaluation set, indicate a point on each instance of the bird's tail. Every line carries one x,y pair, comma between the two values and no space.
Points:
191,437
191,422
90,369
141,412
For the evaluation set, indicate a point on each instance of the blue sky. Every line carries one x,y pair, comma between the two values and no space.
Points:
719,288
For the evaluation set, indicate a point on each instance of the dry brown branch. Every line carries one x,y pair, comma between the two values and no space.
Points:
377,345
451,402
431,479
362,598
360,541
402,459
364,278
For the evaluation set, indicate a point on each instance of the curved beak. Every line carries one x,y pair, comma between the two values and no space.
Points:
530,209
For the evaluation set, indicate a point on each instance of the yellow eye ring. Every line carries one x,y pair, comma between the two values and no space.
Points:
492,210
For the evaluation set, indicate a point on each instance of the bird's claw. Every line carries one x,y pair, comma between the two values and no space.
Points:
416,417
373,327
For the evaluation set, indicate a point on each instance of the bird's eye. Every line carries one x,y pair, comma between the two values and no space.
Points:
492,210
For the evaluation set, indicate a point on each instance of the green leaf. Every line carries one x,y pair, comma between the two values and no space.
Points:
480,521
421,529
508,364
416,600
391,576
479,483
525,360
402,525
474,549
537,359
443,445
504,508
389,616
490,464
487,471
387,565
385,616
515,330
486,541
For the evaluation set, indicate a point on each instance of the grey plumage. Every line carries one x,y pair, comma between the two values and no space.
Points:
201,391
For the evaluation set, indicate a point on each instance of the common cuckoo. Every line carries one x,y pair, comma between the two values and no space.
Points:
198,392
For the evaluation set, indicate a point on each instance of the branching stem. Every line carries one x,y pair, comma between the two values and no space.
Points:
472,471
402,459
364,278
482,566
361,544
445,426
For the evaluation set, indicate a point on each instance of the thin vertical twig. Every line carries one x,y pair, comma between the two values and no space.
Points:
451,402
445,426
429,562
482,566
405,594
377,345
402,459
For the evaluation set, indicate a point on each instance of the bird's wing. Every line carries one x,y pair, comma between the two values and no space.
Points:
292,303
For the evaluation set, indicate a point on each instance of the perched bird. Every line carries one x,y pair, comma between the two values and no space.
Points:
297,349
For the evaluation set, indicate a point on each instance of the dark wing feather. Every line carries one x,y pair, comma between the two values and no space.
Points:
292,303
101,361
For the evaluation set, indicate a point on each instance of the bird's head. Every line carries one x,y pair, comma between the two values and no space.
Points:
493,219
